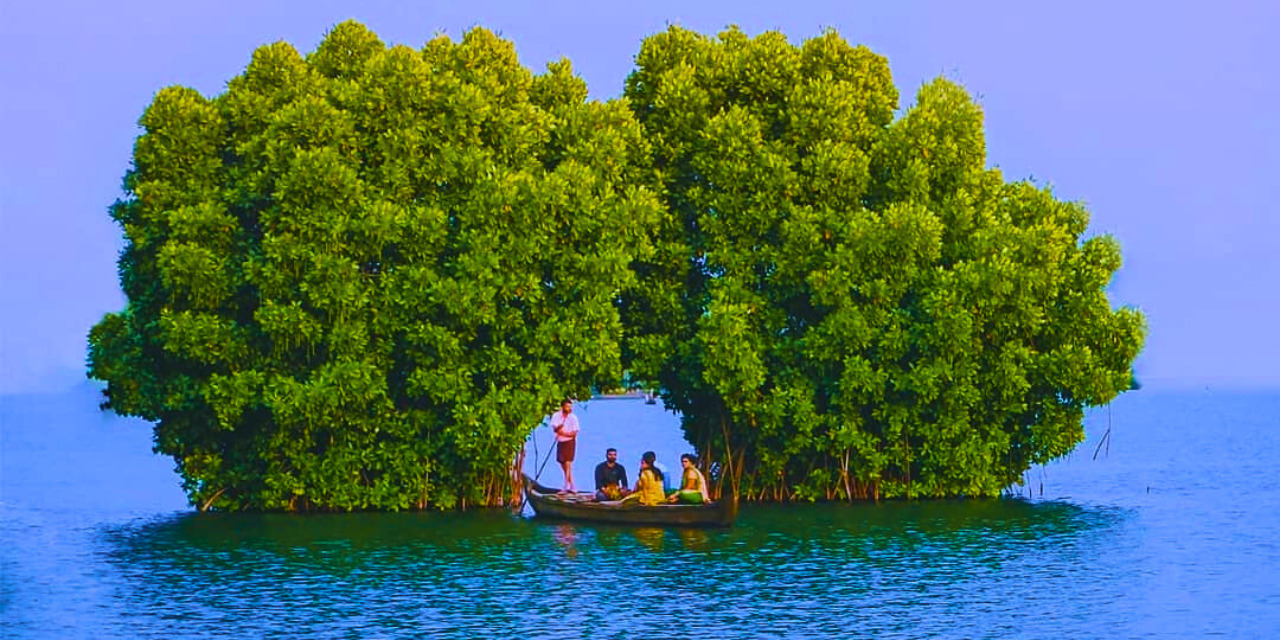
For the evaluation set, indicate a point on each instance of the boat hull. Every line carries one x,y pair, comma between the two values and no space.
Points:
547,502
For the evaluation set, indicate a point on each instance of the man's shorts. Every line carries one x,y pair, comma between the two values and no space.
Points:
565,450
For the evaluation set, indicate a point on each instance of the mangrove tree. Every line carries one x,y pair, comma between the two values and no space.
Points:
846,301
358,279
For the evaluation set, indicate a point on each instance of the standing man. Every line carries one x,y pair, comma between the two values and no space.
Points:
611,477
565,424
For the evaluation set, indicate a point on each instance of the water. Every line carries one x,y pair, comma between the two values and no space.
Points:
1172,533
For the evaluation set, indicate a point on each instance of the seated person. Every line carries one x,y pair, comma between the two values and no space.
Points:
649,485
693,486
611,477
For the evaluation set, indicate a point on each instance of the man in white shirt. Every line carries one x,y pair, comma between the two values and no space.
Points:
565,425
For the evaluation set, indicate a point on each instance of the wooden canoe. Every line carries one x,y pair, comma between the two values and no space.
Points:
550,503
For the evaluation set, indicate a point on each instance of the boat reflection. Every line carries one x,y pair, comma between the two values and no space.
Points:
567,536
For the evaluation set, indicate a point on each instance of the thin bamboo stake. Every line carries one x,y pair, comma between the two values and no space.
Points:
1106,437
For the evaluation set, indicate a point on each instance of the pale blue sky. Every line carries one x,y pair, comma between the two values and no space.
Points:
1162,120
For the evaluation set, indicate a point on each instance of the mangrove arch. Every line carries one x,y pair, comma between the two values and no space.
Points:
359,279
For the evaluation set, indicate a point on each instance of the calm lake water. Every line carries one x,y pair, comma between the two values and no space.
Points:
1172,532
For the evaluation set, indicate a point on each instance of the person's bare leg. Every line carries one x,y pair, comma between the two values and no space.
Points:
568,476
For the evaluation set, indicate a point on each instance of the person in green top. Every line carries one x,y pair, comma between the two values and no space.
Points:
693,486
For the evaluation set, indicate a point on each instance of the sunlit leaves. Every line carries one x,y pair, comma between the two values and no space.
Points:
359,278
855,304
356,279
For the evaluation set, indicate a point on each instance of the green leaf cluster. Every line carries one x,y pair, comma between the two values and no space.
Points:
843,304
358,279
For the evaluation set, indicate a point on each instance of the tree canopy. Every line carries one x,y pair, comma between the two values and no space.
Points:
847,304
358,279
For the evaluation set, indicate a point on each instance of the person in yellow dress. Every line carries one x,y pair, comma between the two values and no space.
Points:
648,491
693,486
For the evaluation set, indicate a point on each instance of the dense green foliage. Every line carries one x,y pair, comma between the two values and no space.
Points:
359,279
844,304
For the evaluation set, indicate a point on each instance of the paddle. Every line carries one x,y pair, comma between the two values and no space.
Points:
546,459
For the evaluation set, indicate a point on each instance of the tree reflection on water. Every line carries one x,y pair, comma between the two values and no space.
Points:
442,573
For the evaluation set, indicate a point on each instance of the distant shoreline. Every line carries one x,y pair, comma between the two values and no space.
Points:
629,395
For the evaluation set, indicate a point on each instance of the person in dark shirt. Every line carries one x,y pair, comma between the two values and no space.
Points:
611,477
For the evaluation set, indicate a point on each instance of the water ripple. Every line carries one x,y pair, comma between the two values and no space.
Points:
1173,539
946,569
